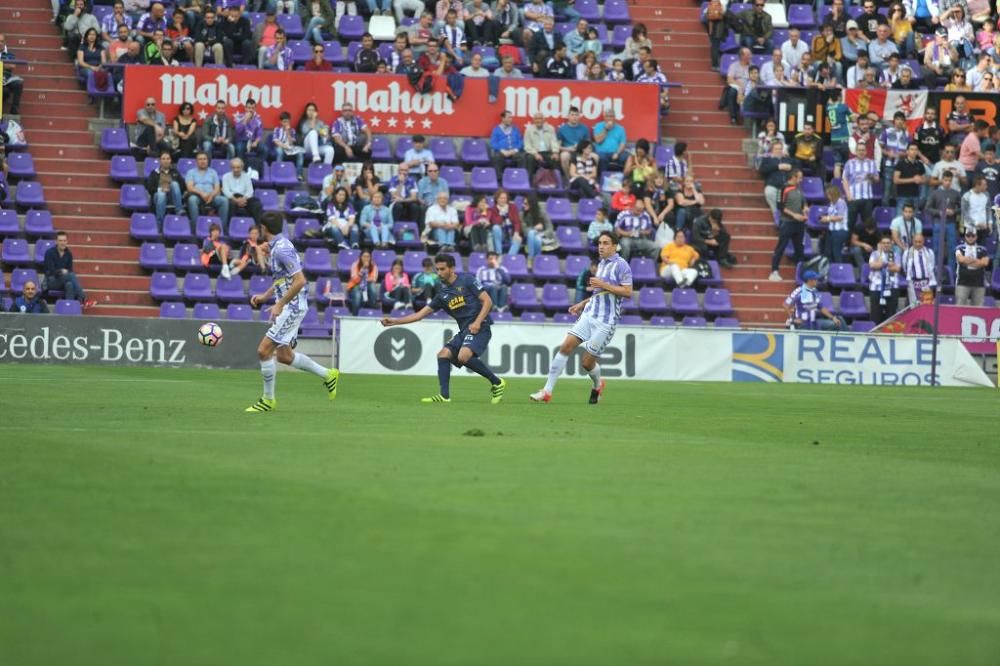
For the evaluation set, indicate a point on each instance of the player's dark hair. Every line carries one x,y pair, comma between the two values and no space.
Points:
445,259
491,254
611,235
272,222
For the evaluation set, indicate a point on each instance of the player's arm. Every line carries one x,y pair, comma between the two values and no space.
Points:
408,319
577,308
262,298
486,304
620,290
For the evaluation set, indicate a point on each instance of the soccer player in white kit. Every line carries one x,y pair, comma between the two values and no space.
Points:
599,316
286,315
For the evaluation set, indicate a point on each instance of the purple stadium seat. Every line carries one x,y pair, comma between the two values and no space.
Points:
328,290
685,302
29,194
517,266
483,179
38,223
716,278
317,261
114,141
301,51
853,305
555,297
571,239
239,228
9,224
841,276
16,252
412,261
476,261
812,189
801,16
153,257
475,152
443,151
694,321
883,217
177,228
134,197
231,290
352,51
345,259
198,287
586,209
563,318
652,300
372,313
546,267
631,320
239,312
303,225
220,166
644,271
124,169
19,276
532,318
42,246
333,52
455,177
381,149
292,25
206,312
575,264
862,325
203,223
268,199
717,302
589,10
523,297
501,316
407,235
618,36
726,61
20,165
616,12
727,322
172,310
185,164
163,287
383,260
560,210
514,180
316,172
403,144
663,321
283,174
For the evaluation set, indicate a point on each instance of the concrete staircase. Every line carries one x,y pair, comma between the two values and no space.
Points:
72,169
681,47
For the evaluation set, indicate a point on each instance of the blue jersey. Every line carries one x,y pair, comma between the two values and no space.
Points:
838,115
603,305
461,299
284,264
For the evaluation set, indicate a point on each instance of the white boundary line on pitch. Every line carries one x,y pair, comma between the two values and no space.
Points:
98,379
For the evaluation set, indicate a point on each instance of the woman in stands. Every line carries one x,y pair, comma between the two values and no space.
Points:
365,186
638,39
583,67
640,168
957,83
766,139
362,288
478,223
339,228
315,135
506,224
397,286
583,171
90,57
185,129
596,72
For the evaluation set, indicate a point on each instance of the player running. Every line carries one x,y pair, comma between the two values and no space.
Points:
286,315
596,326
470,306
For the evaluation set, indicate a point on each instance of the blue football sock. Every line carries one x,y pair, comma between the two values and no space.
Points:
478,367
444,376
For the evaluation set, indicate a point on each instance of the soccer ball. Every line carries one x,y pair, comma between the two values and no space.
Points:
210,334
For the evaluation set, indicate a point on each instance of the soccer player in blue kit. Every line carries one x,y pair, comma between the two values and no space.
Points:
469,305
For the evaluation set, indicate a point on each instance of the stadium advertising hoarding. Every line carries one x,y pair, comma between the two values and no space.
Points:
524,350
388,103
978,327
117,341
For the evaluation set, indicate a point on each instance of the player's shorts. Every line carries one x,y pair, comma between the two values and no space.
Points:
285,328
595,335
476,342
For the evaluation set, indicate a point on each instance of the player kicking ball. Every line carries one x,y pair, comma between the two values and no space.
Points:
286,316
599,316
470,306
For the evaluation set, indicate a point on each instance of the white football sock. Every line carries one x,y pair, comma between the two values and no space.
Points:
595,375
303,362
555,369
267,371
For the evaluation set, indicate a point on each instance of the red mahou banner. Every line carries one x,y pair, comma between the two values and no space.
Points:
388,102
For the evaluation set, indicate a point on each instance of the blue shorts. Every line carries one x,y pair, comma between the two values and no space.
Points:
477,343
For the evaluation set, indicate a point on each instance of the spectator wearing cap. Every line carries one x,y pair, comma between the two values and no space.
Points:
852,46
59,271
805,309
972,263
940,58
30,301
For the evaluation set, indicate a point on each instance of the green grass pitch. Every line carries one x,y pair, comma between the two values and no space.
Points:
144,519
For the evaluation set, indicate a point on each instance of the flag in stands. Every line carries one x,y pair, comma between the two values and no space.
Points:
886,103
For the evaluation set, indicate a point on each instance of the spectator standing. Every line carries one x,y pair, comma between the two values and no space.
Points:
989,169
635,232
30,301
59,271
893,142
794,213
959,121
397,286
835,219
905,227
972,261
362,288
506,144
219,133
943,207
204,190
610,142
377,222
883,281
495,280
352,138
678,261
165,184
919,267
970,151
977,209
805,308
441,223
237,187
949,163
908,175
860,174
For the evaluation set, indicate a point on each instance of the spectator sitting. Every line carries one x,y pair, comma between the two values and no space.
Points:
688,202
478,224
209,37
148,120
59,271
153,20
584,171
30,301
583,287
807,149
575,40
506,221
678,261
506,144
332,181
90,58
640,168
113,21
475,67
237,187
452,37
495,280
480,26
376,222
118,46
598,225
538,232
318,62
277,56
285,142
570,134
920,268
610,142
430,186
507,69
219,134
972,262
635,232
265,35
881,48
424,284
756,28
660,203
403,195
165,184
558,65
365,185
165,58
362,288
539,144
339,227
352,138
366,59
215,251
397,286
237,35
77,24
204,190
793,48
252,254
418,156
315,135
940,57
622,200
651,74
179,32
883,279
153,48
441,224
710,238
248,134
805,309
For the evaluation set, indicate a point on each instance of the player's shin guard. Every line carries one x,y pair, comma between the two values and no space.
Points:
303,362
267,371
444,376
555,369
595,374
477,366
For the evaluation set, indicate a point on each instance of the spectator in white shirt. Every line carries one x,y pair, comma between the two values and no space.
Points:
441,223
948,162
905,227
976,207
793,48
238,188
475,67
767,69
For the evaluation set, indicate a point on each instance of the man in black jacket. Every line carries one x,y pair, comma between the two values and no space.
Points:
543,44
237,37
209,36
165,186
59,271
775,168
711,239
558,66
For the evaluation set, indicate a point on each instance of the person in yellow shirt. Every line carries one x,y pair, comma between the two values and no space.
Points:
678,261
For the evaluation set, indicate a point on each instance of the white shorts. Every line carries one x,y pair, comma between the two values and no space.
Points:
285,328
595,335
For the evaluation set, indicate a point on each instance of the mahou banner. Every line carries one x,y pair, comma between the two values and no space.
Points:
388,103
